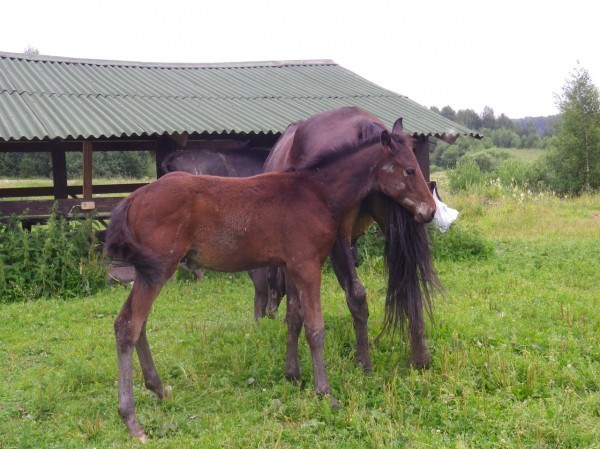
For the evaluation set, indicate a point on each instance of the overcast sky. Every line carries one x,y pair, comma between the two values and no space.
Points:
513,56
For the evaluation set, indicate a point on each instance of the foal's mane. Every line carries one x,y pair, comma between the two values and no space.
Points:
344,150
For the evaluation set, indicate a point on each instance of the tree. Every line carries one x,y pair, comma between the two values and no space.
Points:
504,122
488,119
469,118
449,113
575,162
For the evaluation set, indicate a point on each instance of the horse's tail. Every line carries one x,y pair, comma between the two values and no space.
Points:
121,244
412,279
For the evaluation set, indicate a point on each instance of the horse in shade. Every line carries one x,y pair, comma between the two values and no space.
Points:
288,219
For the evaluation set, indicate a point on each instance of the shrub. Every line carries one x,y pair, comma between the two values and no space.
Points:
60,258
460,243
514,172
487,161
465,176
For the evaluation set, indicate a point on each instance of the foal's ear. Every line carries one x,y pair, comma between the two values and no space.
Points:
385,138
398,126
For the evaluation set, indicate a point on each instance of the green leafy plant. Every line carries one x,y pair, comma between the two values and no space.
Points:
59,258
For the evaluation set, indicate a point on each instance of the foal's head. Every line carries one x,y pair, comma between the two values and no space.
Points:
399,176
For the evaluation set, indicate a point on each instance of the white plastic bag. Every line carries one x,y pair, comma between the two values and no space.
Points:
444,215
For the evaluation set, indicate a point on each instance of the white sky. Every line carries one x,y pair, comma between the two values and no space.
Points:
512,55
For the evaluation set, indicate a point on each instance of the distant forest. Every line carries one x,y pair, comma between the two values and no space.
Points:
499,132
487,120
544,126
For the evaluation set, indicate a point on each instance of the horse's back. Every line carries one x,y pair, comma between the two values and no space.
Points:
226,224
321,133
228,162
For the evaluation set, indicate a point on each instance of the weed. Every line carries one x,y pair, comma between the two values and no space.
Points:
59,258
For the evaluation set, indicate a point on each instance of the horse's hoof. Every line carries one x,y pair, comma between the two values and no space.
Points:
421,363
143,439
333,403
365,364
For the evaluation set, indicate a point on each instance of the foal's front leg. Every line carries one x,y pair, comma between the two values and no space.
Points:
293,318
308,285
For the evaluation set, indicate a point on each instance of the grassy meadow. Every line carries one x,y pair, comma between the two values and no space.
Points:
515,345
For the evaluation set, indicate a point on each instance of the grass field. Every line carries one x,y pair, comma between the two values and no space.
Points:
525,154
515,345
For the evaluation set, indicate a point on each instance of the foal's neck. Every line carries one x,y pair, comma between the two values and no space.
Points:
345,184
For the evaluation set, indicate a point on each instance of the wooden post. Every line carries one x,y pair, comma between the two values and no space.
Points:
59,171
164,146
422,154
87,170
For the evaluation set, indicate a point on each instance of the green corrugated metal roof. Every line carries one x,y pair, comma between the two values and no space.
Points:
45,97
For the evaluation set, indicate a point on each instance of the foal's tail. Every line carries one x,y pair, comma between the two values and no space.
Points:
412,278
121,244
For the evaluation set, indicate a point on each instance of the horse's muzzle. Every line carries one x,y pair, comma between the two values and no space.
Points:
425,216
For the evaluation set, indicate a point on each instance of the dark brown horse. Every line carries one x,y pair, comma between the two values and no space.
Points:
285,219
236,162
411,276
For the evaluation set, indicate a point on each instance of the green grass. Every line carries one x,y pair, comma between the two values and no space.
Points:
525,154
515,348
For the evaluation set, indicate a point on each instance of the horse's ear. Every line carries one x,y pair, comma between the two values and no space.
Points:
386,140
398,126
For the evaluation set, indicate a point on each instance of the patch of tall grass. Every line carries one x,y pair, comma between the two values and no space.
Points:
59,258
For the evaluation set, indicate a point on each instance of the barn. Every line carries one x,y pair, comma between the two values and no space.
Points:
59,105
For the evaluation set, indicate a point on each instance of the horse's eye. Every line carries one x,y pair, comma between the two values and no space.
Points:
410,171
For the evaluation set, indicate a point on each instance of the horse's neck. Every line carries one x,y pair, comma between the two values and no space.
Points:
346,184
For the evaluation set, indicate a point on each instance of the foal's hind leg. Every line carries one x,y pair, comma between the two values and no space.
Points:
151,378
128,328
343,264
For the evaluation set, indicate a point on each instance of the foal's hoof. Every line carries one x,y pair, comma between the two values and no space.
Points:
333,403
143,439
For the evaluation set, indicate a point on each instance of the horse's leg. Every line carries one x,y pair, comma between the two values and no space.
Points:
344,267
420,356
151,378
276,289
293,318
308,284
261,291
128,327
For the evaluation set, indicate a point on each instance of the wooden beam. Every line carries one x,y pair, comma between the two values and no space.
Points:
87,170
59,171
38,210
180,139
421,150
75,145
164,147
73,191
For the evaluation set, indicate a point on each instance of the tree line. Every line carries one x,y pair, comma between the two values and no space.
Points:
570,164
107,164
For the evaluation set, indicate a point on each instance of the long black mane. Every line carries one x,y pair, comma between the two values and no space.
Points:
412,279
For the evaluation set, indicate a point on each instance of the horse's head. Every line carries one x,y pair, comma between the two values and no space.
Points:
399,177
